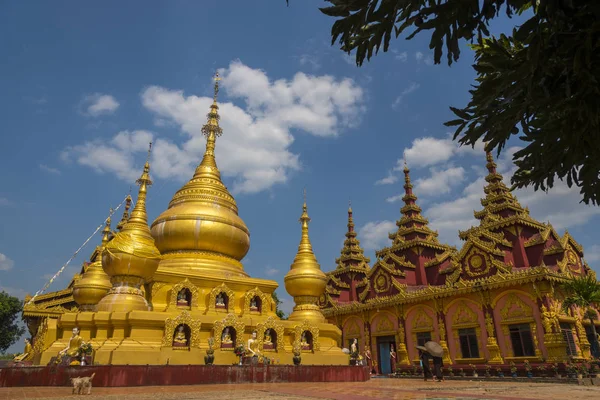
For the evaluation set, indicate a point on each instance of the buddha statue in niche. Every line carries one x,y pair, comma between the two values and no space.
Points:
180,339
252,349
182,298
304,342
220,301
268,340
226,341
253,304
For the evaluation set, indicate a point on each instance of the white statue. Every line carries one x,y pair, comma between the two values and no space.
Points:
253,346
220,300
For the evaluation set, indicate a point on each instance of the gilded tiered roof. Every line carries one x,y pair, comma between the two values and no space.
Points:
352,256
413,228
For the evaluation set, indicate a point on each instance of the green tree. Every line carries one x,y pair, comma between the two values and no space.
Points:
541,81
278,311
10,331
584,292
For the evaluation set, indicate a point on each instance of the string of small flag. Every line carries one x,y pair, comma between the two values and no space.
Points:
39,292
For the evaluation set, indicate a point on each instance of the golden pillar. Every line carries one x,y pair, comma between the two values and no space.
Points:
492,341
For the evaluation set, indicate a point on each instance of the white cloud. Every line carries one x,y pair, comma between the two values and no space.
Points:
98,104
50,170
309,60
388,180
5,202
440,181
270,271
254,148
115,156
402,57
427,151
592,254
5,263
394,199
374,235
428,60
411,88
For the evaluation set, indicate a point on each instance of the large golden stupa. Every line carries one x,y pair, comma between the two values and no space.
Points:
159,294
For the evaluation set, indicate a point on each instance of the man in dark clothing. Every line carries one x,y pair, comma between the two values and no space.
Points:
425,357
438,363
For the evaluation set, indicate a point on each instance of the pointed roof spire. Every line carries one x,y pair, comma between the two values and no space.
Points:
497,195
212,130
106,232
412,225
138,220
305,281
352,255
125,216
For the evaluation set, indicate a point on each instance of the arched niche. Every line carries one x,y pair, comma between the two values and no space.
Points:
221,299
261,300
420,326
182,336
352,328
171,325
276,332
235,329
305,328
465,314
186,290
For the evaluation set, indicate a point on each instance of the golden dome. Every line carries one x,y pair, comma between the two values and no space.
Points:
94,283
305,281
201,229
131,258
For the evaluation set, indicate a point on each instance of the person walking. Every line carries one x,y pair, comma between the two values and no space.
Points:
424,356
438,363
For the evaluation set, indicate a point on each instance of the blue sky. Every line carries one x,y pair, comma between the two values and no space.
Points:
86,86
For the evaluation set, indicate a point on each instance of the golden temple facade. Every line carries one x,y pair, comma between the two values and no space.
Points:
496,300
168,292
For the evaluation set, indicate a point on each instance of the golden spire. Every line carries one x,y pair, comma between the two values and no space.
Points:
201,230
412,225
125,216
498,198
131,257
212,130
106,232
352,255
305,281
94,283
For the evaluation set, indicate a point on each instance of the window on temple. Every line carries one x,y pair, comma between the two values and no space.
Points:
468,343
423,337
567,332
522,341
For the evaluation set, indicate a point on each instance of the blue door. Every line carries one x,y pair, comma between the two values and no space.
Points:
384,358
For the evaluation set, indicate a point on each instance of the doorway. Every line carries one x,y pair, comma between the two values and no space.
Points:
384,359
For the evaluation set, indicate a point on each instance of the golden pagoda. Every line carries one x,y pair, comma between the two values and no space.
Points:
181,282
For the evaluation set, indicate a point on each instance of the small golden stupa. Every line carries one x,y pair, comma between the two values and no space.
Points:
181,282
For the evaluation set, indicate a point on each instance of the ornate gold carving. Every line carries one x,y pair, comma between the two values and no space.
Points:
464,316
515,309
489,325
267,303
155,287
382,282
185,284
401,333
306,326
212,298
442,328
477,263
273,324
235,323
384,324
184,318
422,321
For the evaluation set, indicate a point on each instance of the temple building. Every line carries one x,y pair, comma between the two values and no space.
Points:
167,293
498,299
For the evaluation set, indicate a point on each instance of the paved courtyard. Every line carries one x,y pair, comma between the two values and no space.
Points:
403,389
